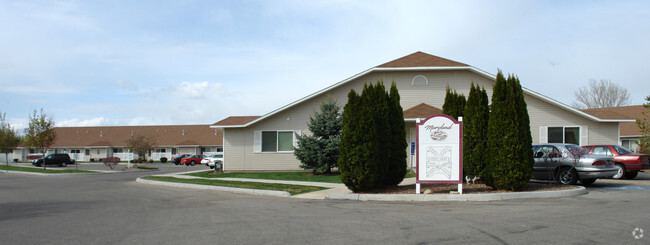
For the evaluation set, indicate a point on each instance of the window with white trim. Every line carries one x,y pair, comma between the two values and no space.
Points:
274,141
563,134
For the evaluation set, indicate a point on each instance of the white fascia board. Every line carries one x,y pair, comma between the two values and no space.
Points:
322,91
412,119
424,68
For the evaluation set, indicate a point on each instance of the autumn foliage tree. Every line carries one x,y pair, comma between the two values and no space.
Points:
141,144
40,133
9,138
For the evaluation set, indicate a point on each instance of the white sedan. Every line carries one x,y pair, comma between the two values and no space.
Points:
211,160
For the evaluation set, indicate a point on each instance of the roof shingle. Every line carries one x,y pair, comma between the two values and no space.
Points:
627,112
116,136
421,59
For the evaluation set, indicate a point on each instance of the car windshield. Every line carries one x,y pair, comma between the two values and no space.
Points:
621,150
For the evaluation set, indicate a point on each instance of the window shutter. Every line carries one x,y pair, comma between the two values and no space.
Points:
295,139
584,135
543,134
257,141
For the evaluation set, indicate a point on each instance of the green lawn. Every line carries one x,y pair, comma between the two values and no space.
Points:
292,189
293,176
40,170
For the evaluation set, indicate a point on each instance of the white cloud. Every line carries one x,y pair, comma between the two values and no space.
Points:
197,90
76,122
126,85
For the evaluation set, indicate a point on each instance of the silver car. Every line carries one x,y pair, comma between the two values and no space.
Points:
568,163
213,160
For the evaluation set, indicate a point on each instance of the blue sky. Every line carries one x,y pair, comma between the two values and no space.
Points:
105,63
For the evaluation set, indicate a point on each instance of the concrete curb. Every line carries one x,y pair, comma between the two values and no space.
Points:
580,190
217,188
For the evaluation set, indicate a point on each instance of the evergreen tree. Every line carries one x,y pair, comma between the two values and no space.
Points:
320,150
378,134
525,141
365,138
506,168
475,125
352,160
397,159
454,104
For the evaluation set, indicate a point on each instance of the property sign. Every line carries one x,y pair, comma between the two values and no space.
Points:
440,150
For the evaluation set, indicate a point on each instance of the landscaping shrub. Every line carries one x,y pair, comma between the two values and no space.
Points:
163,159
111,162
320,150
397,148
509,162
454,104
475,123
150,160
365,138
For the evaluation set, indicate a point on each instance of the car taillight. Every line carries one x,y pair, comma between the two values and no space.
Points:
596,163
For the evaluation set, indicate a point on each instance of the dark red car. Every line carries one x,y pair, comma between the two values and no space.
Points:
628,163
192,160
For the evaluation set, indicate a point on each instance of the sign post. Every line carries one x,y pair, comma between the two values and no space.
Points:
439,156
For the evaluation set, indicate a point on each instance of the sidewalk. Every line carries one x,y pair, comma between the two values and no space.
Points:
340,191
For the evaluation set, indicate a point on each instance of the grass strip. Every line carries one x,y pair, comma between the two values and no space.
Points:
292,189
40,170
292,176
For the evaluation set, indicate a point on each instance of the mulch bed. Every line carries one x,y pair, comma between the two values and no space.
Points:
467,188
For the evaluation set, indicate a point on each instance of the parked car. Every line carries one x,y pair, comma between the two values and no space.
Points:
627,162
569,164
60,159
192,160
177,160
212,159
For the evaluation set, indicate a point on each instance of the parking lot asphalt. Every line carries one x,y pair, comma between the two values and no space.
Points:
114,209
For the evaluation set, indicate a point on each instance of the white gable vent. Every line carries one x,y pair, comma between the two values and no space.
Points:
419,80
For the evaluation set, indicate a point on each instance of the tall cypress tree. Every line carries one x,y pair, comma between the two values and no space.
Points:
398,144
376,100
351,160
454,104
475,124
507,167
525,141
501,136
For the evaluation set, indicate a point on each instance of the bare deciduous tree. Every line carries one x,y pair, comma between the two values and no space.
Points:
600,94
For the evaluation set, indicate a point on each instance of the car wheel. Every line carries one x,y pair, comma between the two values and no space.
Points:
64,164
631,175
621,171
587,182
192,163
568,176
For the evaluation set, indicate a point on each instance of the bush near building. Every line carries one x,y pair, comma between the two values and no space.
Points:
509,143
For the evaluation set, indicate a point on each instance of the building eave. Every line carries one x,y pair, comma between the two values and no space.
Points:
423,68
